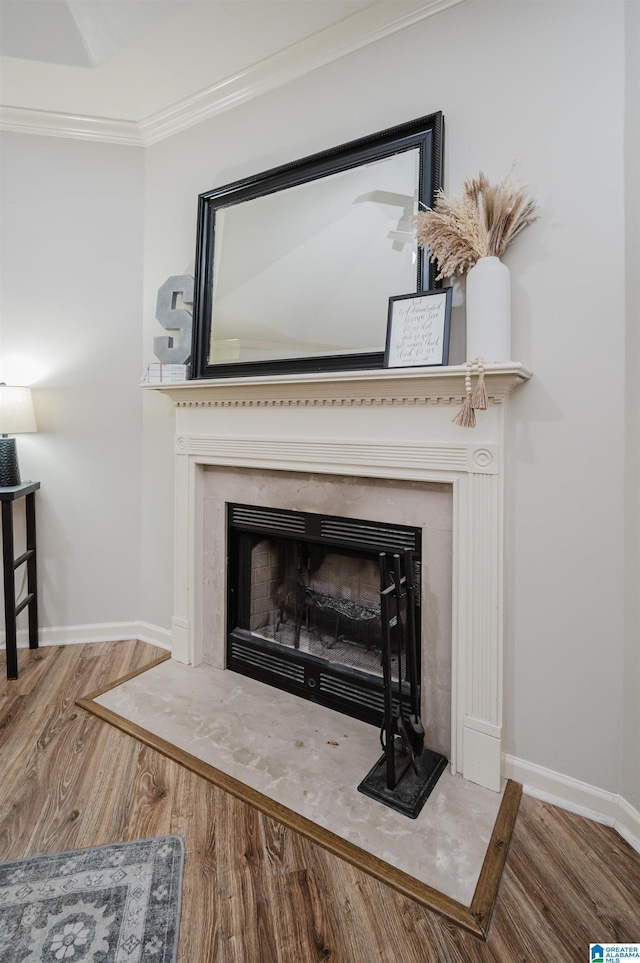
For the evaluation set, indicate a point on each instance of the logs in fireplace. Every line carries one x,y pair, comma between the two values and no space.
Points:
303,605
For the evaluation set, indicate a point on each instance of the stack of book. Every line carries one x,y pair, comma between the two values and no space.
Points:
159,373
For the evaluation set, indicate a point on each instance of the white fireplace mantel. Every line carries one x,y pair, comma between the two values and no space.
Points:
439,385
387,423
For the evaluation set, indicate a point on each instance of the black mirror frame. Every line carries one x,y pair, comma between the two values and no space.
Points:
426,133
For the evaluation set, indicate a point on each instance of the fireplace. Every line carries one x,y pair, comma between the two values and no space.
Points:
398,509
303,604
371,429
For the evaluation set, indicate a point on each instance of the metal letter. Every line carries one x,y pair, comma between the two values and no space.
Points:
174,319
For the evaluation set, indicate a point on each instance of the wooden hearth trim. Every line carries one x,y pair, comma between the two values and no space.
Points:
475,919
486,891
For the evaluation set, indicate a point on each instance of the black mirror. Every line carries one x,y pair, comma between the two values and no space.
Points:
295,266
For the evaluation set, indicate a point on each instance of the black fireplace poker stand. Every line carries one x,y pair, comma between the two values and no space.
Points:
406,773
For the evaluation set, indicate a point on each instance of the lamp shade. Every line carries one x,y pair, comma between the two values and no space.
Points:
16,410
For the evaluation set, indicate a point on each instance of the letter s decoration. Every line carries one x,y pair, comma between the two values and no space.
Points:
174,319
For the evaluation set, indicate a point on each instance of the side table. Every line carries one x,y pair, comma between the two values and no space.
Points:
8,496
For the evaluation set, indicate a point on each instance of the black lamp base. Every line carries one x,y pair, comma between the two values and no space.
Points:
9,468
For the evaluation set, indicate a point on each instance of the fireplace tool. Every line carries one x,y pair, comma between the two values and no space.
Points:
406,773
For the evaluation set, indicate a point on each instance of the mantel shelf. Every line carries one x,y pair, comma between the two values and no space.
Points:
443,385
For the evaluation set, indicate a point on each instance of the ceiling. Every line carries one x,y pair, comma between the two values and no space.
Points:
135,71
78,33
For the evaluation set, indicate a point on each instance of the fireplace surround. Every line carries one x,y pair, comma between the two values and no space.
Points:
318,428
424,506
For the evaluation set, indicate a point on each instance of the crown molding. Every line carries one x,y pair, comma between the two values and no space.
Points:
360,29
22,120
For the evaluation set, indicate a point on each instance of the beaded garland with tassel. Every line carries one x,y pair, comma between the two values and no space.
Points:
474,400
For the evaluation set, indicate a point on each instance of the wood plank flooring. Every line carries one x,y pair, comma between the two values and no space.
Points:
256,892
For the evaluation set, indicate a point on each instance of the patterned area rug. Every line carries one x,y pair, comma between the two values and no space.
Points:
109,904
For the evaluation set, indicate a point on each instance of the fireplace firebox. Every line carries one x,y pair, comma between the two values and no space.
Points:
303,605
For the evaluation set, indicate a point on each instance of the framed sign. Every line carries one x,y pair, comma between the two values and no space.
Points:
418,329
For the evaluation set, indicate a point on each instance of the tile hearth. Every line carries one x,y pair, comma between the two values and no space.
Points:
311,762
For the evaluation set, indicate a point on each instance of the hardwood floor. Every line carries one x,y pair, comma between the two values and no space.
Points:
255,892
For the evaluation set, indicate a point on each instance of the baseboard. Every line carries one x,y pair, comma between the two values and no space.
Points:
153,634
628,823
575,796
99,632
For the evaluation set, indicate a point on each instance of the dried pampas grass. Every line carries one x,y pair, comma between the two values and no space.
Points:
458,231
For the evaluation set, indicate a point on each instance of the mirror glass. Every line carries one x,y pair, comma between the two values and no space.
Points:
325,258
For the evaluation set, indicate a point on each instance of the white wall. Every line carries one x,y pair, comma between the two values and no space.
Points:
72,216
545,82
631,746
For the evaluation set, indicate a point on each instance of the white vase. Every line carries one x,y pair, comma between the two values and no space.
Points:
489,311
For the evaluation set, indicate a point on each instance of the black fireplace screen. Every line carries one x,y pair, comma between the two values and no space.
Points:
304,604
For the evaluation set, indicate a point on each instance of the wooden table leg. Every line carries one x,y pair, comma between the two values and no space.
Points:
32,574
9,590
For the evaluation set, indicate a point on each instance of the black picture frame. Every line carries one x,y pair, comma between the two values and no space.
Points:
426,133
418,329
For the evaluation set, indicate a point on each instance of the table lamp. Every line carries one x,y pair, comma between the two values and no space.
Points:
16,415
